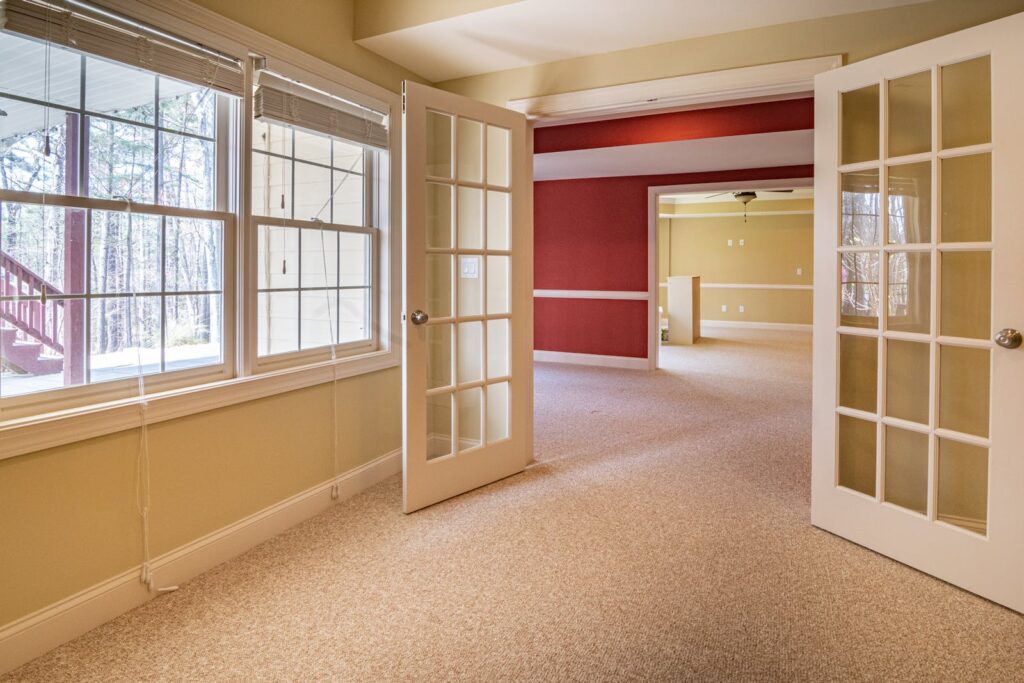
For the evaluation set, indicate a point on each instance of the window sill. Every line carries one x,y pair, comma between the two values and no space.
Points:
31,434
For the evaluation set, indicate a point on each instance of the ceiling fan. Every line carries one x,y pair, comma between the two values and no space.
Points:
746,196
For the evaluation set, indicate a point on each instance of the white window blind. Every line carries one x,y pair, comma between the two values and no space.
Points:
279,100
82,27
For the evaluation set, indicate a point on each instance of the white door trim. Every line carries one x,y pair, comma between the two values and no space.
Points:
653,322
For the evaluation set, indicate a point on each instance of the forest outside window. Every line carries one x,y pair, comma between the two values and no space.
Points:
114,219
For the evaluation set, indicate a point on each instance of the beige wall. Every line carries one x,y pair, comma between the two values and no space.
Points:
774,247
376,17
857,36
322,28
69,513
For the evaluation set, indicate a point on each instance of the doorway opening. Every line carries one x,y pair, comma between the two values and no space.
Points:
725,257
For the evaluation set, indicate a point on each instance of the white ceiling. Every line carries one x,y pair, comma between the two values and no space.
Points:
762,150
539,31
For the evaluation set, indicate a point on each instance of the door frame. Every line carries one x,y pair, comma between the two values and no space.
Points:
653,286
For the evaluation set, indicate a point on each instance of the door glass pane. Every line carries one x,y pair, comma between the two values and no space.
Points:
471,299
858,372
497,220
471,218
471,352
966,103
910,288
497,411
966,294
498,348
439,425
856,454
471,415
439,356
910,203
439,145
963,485
859,273
906,469
439,216
439,285
470,148
497,156
498,284
967,198
860,125
964,389
907,371
861,214
910,114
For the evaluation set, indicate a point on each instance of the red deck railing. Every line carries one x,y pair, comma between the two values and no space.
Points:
30,317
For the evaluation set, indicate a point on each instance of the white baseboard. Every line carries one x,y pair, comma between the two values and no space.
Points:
627,362
743,324
37,633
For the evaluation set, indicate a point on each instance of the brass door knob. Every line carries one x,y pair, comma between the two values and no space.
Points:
418,317
1008,338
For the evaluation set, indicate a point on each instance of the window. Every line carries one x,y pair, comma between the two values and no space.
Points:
314,215
114,222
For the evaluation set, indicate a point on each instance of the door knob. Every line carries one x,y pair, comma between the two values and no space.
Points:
418,317
1009,338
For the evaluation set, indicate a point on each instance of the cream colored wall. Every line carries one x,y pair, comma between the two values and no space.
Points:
857,36
68,518
322,28
774,247
375,17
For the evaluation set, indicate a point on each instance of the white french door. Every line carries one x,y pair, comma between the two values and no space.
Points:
468,310
918,441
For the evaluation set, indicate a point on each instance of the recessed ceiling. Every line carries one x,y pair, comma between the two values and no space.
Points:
539,31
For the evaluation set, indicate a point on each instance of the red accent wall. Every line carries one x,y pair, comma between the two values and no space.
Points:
744,119
591,233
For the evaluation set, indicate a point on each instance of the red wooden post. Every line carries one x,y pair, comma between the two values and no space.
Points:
74,263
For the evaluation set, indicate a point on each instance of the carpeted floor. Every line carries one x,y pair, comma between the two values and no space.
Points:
663,534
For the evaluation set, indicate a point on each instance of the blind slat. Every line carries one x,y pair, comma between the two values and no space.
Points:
291,104
125,42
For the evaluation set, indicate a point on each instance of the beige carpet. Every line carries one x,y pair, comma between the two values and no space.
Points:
663,535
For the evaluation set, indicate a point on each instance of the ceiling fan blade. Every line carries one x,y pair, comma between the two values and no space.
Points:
778,191
712,196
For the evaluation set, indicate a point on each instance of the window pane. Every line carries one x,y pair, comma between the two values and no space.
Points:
271,186
121,160
910,114
312,192
277,322
963,485
194,331
49,354
860,125
187,107
348,198
315,148
24,71
348,157
966,103
188,172
910,203
119,91
859,306
858,372
856,441
124,334
967,198
124,253
194,255
47,241
319,258
355,259
319,316
354,316
277,257
24,163
910,291
270,137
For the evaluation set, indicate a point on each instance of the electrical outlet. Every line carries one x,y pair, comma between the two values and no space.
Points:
741,242
728,243
799,271
725,308
742,309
